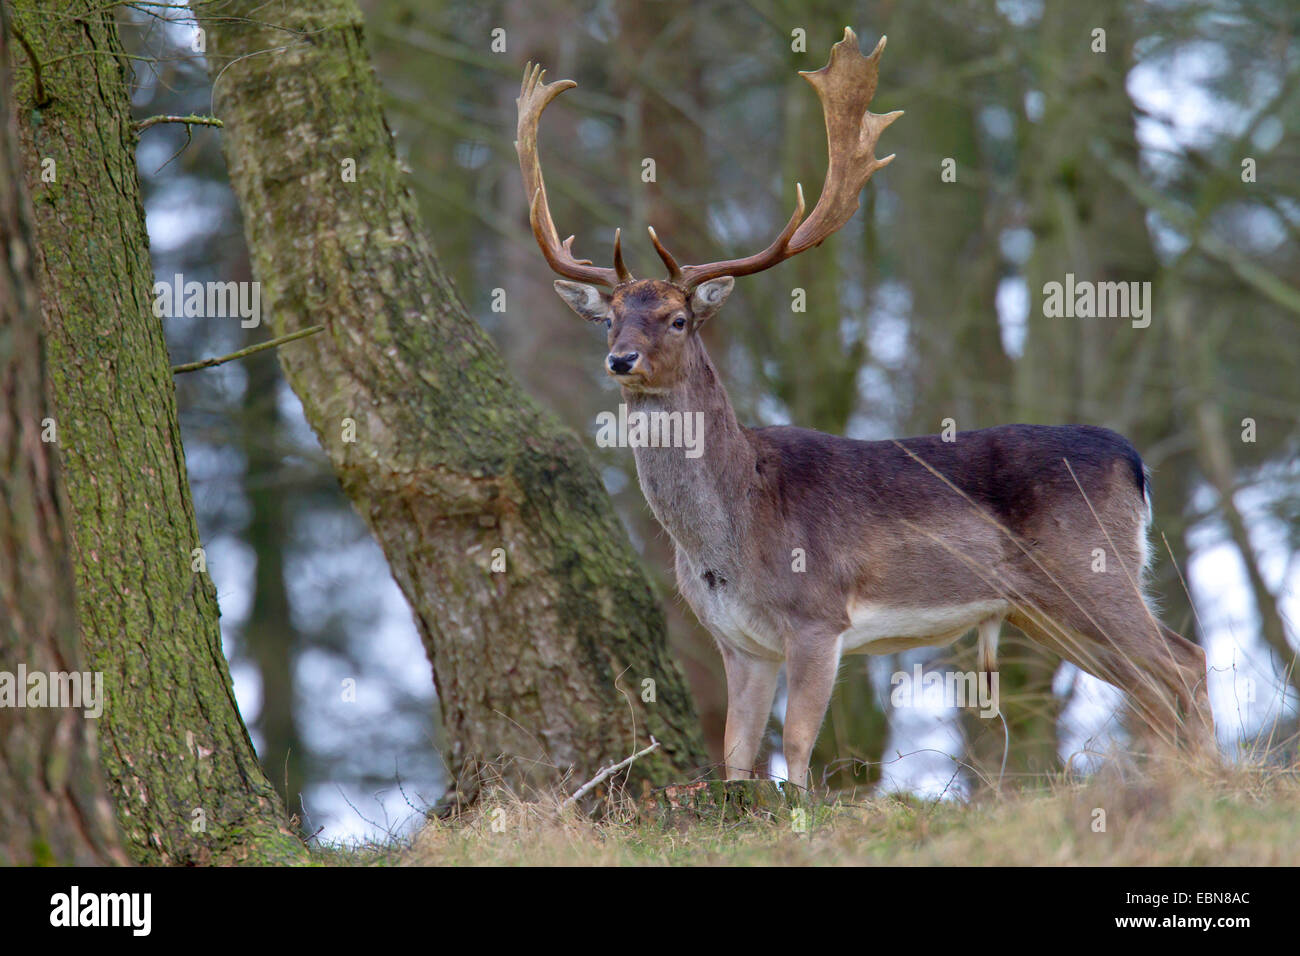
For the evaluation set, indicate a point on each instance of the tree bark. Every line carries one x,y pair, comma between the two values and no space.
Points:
53,807
455,470
181,769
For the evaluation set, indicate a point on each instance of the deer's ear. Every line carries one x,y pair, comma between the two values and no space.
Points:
709,296
589,301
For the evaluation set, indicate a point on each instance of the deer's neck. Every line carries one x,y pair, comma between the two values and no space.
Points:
700,498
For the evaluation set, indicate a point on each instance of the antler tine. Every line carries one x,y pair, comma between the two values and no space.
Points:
674,270
778,251
845,86
620,269
534,96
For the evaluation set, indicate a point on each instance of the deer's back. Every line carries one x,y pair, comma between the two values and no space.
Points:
993,513
1008,471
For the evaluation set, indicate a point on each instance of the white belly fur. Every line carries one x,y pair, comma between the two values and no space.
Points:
880,629
873,628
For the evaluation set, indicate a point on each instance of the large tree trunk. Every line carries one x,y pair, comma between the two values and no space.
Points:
182,771
455,469
53,808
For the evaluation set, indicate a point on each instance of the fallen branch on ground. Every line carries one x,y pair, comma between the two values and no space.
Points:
606,773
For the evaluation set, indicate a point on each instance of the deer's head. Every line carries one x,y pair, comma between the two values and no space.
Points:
653,323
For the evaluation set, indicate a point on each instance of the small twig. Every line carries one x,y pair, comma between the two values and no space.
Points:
113,53
189,138
606,773
245,352
38,86
192,120
189,123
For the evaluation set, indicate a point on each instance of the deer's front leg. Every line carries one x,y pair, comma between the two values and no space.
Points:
811,663
751,685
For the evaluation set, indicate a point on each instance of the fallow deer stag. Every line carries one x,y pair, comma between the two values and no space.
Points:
904,544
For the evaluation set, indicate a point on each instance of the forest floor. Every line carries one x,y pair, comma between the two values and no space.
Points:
1247,817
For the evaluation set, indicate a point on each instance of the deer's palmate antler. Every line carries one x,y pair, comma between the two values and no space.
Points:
845,86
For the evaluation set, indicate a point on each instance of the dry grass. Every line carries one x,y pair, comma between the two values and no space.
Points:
1242,816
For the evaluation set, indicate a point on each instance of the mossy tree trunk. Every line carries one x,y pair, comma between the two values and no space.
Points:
539,624
182,772
53,807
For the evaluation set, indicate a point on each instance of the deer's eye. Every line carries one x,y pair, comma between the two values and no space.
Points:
679,322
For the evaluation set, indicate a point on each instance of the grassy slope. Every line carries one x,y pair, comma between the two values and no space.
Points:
1241,818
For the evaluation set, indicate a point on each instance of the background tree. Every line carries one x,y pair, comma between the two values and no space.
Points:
181,770
53,809
538,623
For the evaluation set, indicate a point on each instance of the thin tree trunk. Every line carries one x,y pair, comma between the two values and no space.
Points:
53,807
1215,455
270,638
539,624
181,769
1072,370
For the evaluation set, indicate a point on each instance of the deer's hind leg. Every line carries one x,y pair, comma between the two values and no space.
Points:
1163,673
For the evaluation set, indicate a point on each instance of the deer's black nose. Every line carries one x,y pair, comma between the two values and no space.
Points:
622,364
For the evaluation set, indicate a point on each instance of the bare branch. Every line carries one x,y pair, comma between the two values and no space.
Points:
244,353
192,120
608,772
38,86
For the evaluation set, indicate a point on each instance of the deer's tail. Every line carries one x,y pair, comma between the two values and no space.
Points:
988,644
